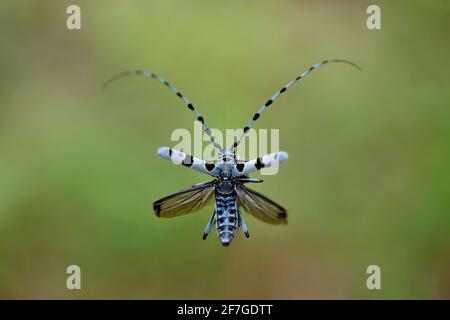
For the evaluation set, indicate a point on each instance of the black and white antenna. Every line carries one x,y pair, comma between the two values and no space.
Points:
287,86
191,107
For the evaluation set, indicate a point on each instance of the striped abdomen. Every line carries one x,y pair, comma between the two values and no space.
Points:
226,216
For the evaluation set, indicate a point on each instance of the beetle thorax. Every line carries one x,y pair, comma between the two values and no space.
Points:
226,161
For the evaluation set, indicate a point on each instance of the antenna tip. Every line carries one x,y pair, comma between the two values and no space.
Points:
346,61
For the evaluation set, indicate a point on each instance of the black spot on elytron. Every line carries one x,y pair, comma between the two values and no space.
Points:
210,166
311,69
235,144
246,129
283,90
179,94
256,116
166,83
298,78
153,75
240,167
259,164
201,119
190,106
269,102
188,161
170,152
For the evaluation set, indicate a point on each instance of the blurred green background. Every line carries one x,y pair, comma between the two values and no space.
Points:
367,181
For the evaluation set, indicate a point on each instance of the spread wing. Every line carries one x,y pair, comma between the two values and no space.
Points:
260,206
185,201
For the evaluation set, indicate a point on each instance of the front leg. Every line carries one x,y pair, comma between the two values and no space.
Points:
256,164
179,157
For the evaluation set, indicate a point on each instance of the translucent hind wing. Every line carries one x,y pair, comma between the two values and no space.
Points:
260,206
185,201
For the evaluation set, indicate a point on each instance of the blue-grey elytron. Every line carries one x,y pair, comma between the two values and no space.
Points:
230,174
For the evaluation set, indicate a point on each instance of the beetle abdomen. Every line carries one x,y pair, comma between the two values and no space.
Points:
226,215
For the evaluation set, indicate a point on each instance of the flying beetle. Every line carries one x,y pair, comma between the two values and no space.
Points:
229,174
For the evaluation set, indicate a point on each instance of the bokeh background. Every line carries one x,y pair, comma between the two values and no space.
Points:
367,181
